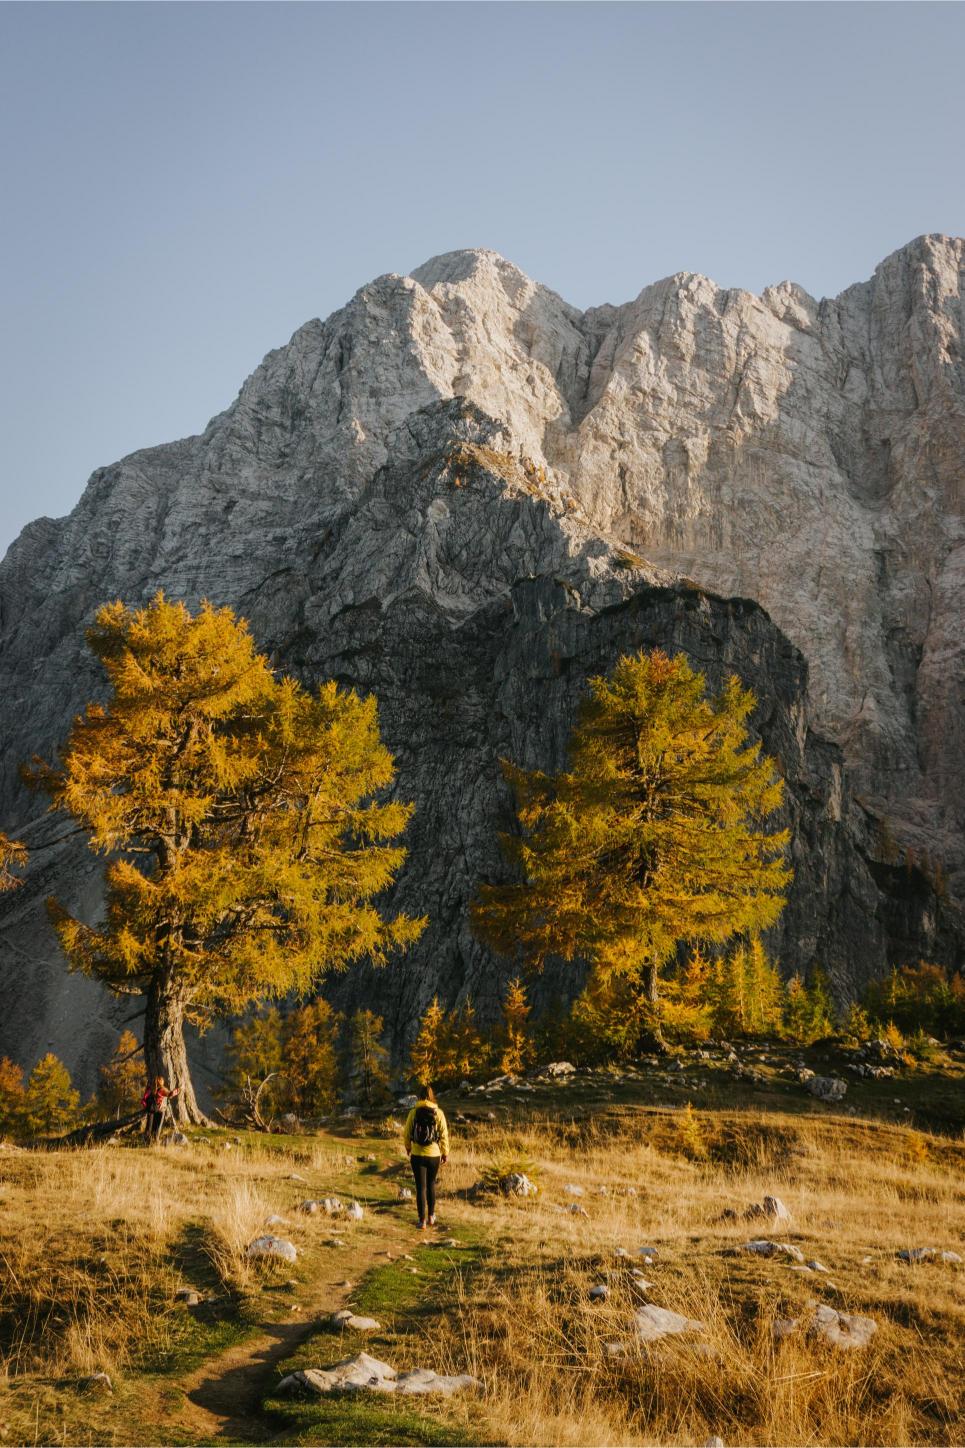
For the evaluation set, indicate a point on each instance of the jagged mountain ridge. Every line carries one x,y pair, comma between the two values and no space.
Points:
450,434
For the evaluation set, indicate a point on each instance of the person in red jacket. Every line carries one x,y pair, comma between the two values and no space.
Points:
153,1103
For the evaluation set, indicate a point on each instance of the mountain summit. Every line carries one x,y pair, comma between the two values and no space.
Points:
465,494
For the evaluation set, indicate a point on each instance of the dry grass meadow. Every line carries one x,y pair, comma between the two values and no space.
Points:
94,1245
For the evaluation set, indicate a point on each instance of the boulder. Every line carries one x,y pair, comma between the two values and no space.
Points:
770,1207
653,1323
367,1374
96,1383
407,1102
599,1293
842,1329
518,1184
355,1213
269,1246
346,1318
558,1069
828,1088
765,1248
310,1207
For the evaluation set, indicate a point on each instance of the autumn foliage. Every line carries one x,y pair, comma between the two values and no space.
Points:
239,812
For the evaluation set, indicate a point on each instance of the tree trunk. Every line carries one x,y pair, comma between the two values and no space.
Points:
653,1040
164,1052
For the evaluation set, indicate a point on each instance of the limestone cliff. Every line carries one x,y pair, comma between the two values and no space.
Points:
466,495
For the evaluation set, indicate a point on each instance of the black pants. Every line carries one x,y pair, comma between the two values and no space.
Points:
154,1120
425,1170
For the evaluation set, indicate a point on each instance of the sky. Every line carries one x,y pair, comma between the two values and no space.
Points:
183,185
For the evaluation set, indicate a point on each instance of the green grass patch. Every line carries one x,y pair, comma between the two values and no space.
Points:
404,1302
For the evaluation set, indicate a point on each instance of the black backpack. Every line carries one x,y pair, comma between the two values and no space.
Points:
425,1126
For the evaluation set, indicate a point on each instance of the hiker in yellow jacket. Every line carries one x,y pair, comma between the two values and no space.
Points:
427,1145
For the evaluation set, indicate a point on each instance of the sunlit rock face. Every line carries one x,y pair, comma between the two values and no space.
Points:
392,490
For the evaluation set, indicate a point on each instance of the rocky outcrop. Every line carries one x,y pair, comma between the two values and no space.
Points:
467,496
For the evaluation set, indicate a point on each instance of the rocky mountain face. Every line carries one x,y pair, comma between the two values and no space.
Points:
467,496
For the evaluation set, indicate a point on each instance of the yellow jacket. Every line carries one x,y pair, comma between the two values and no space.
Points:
435,1148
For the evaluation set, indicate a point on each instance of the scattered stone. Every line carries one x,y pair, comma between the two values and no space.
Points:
290,1121
572,1190
649,1254
782,1327
577,1211
405,1194
621,1252
656,1322
332,1206
828,1088
310,1207
355,1213
367,1374
771,1207
817,1266
599,1293
96,1383
518,1184
275,1221
346,1318
294,1177
714,1442
465,1085
765,1248
560,1068
842,1329
178,1138
407,1101
269,1246
925,1254
334,1242
615,1349
188,1296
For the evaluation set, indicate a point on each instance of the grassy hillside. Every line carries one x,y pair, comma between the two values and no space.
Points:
95,1244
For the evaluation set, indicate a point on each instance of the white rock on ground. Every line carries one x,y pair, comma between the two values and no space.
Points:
518,1184
770,1207
599,1293
355,1212
367,1374
656,1322
765,1248
269,1246
926,1254
842,1329
345,1317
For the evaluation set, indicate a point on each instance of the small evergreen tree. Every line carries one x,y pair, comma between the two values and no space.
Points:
121,1079
11,1098
467,1052
50,1105
368,1059
609,1020
685,1008
430,1057
765,990
309,1054
516,1047
254,1056
807,1008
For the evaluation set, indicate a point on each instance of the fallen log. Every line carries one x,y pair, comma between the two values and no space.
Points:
94,1132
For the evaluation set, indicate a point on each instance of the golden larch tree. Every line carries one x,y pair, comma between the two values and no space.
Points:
240,816
655,834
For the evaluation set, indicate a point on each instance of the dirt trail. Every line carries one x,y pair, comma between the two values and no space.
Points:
223,1395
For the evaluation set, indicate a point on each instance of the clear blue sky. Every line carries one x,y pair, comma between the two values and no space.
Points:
185,184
